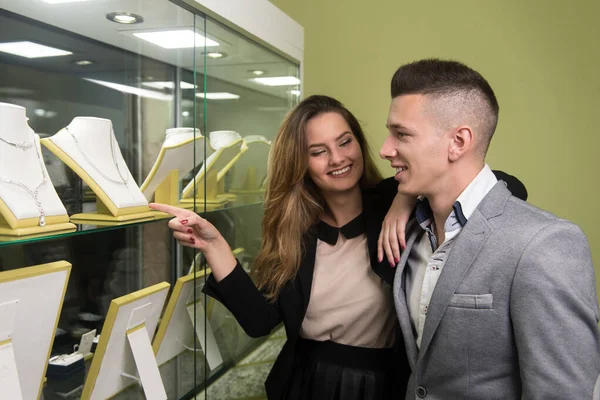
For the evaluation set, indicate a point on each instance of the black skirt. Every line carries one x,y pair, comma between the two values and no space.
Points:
333,371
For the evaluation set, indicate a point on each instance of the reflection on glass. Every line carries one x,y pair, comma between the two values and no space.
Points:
170,69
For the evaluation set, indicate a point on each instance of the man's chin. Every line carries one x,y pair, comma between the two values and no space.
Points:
404,190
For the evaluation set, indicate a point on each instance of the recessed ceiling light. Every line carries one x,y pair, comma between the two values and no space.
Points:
295,92
215,54
132,90
257,72
31,50
177,39
62,1
124,18
278,81
218,96
185,113
83,62
168,85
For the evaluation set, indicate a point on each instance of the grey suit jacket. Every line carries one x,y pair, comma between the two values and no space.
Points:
514,313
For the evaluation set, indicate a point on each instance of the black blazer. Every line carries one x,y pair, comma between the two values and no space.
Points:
258,317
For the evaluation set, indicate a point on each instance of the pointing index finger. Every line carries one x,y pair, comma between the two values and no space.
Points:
174,211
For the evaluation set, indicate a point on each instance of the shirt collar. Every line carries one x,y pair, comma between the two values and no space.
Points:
329,234
464,206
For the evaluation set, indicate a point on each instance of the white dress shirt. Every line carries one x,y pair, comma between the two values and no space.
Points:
426,259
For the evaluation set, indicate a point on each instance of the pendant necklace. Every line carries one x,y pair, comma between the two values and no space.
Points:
34,193
124,179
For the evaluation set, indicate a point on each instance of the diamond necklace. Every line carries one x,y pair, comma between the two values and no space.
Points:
21,145
34,193
123,180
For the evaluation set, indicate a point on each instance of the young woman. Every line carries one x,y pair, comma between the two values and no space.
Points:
318,268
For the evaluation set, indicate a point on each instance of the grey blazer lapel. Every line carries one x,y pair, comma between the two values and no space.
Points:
465,249
400,296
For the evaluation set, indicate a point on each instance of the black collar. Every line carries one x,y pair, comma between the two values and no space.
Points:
329,234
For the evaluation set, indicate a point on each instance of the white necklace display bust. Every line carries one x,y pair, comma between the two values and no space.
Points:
27,196
176,156
89,147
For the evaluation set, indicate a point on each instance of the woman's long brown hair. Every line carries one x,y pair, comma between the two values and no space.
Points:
293,203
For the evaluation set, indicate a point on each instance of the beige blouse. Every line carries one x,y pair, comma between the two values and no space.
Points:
349,303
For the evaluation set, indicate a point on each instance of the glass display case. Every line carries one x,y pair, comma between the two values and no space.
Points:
106,106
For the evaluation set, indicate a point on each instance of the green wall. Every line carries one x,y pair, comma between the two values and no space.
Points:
540,56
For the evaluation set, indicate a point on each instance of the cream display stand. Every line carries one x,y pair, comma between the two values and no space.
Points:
228,147
29,204
175,334
30,302
124,353
89,147
249,185
176,157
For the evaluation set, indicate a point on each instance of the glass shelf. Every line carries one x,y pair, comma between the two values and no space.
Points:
85,229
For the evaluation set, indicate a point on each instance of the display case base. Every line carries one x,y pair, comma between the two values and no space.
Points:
98,218
36,231
211,204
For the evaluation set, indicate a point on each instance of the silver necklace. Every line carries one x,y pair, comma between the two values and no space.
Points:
123,180
34,193
21,145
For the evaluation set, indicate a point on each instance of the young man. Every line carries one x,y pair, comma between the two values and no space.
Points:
496,298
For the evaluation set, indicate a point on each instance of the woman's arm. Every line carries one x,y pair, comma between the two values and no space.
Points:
228,282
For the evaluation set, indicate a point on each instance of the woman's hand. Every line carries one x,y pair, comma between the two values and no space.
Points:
392,236
191,230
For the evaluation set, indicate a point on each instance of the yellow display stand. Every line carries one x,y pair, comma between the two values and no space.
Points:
124,353
184,322
174,159
212,172
13,227
251,191
107,212
31,299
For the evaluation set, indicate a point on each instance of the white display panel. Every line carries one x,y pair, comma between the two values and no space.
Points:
113,361
32,298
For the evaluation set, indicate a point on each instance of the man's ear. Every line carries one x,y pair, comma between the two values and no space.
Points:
461,141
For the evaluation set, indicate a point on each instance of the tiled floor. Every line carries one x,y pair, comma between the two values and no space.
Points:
246,380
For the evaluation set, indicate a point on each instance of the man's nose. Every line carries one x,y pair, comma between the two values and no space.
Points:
387,151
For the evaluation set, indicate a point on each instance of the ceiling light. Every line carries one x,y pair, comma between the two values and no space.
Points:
295,92
177,39
257,72
31,50
168,85
151,94
215,54
83,62
62,1
278,81
124,18
185,113
218,96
